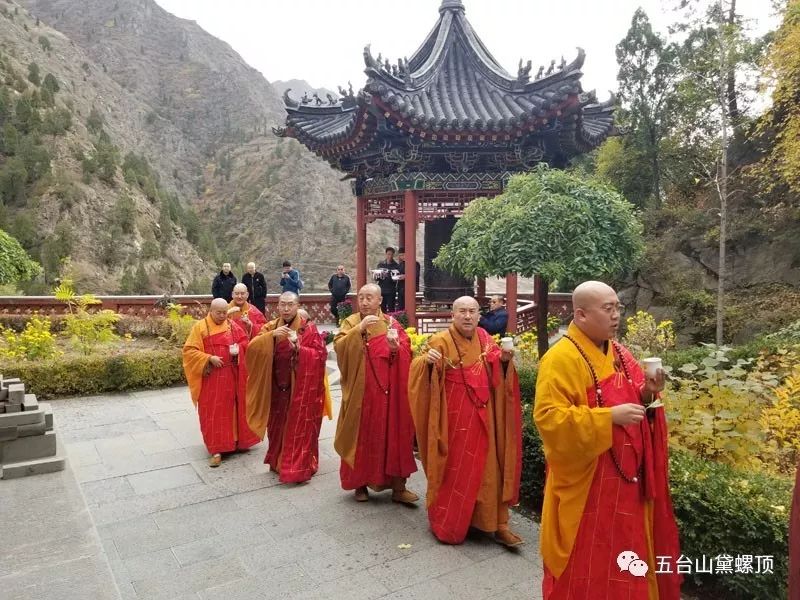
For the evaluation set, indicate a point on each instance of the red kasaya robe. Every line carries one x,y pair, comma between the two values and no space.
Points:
375,432
285,397
592,513
468,417
255,316
218,392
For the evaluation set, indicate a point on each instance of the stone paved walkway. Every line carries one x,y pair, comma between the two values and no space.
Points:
174,528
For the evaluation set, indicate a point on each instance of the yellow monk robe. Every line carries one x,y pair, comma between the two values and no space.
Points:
591,512
454,423
374,432
285,397
218,392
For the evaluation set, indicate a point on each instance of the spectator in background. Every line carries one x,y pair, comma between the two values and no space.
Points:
401,280
290,279
339,286
222,287
256,287
495,320
386,283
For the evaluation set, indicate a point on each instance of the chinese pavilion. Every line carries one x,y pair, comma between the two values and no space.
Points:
430,133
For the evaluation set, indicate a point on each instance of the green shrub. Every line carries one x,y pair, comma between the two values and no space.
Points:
532,481
98,373
723,510
527,381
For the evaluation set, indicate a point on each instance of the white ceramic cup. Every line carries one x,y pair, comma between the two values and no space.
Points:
507,343
651,367
293,336
391,333
234,349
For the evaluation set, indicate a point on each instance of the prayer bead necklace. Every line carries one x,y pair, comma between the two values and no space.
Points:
470,392
601,404
372,365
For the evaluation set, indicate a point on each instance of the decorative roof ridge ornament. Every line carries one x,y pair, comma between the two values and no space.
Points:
451,5
288,100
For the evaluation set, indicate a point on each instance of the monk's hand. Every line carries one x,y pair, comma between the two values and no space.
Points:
627,414
246,320
654,385
433,356
367,322
506,355
282,332
215,360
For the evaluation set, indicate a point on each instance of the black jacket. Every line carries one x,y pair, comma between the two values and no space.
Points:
495,321
256,285
387,284
339,286
401,285
223,286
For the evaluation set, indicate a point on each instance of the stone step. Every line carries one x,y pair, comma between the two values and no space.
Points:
30,403
11,381
48,415
37,466
16,393
28,448
24,418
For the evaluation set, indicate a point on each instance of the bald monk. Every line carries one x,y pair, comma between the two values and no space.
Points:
245,314
607,487
285,365
213,360
374,433
466,405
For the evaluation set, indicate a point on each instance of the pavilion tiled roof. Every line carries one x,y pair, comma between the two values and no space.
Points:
452,93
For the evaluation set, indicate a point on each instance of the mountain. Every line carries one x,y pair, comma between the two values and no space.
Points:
195,122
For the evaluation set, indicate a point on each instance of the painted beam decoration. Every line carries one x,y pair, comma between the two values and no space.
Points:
451,108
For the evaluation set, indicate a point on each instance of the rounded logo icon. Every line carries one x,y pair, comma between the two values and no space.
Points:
625,558
638,568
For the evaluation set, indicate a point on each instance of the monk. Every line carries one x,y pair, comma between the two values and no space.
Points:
286,365
607,489
374,433
245,314
466,405
213,360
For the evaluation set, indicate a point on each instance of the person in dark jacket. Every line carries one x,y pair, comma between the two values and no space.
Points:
496,320
339,286
401,280
256,287
386,283
223,283
290,279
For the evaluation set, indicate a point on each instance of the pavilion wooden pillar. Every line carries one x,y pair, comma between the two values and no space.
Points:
361,242
481,291
511,302
410,210
401,235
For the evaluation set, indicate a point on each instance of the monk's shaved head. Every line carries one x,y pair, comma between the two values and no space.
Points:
596,311
288,297
588,293
468,301
219,304
240,287
373,288
288,303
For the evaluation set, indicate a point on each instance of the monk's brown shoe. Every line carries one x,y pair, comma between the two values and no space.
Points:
508,538
215,461
406,497
362,495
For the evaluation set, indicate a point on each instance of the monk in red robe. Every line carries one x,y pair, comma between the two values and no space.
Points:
285,392
213,360
374,433
466,405
607,511
245,314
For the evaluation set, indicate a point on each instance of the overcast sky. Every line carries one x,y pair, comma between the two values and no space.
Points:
321,41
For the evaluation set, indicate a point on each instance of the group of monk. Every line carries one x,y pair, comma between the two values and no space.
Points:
606,489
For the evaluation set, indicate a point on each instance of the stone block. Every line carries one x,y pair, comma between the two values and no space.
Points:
38,466
29,448
11,381
8,433
16,393
13,408
2,407
3,393
30,403
22,418
48,415
32,429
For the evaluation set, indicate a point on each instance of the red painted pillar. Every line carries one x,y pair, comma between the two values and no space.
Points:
511,301
361,242
410,231
481,292
401,235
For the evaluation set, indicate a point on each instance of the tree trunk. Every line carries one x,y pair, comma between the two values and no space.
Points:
542,307
732,101
722,180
